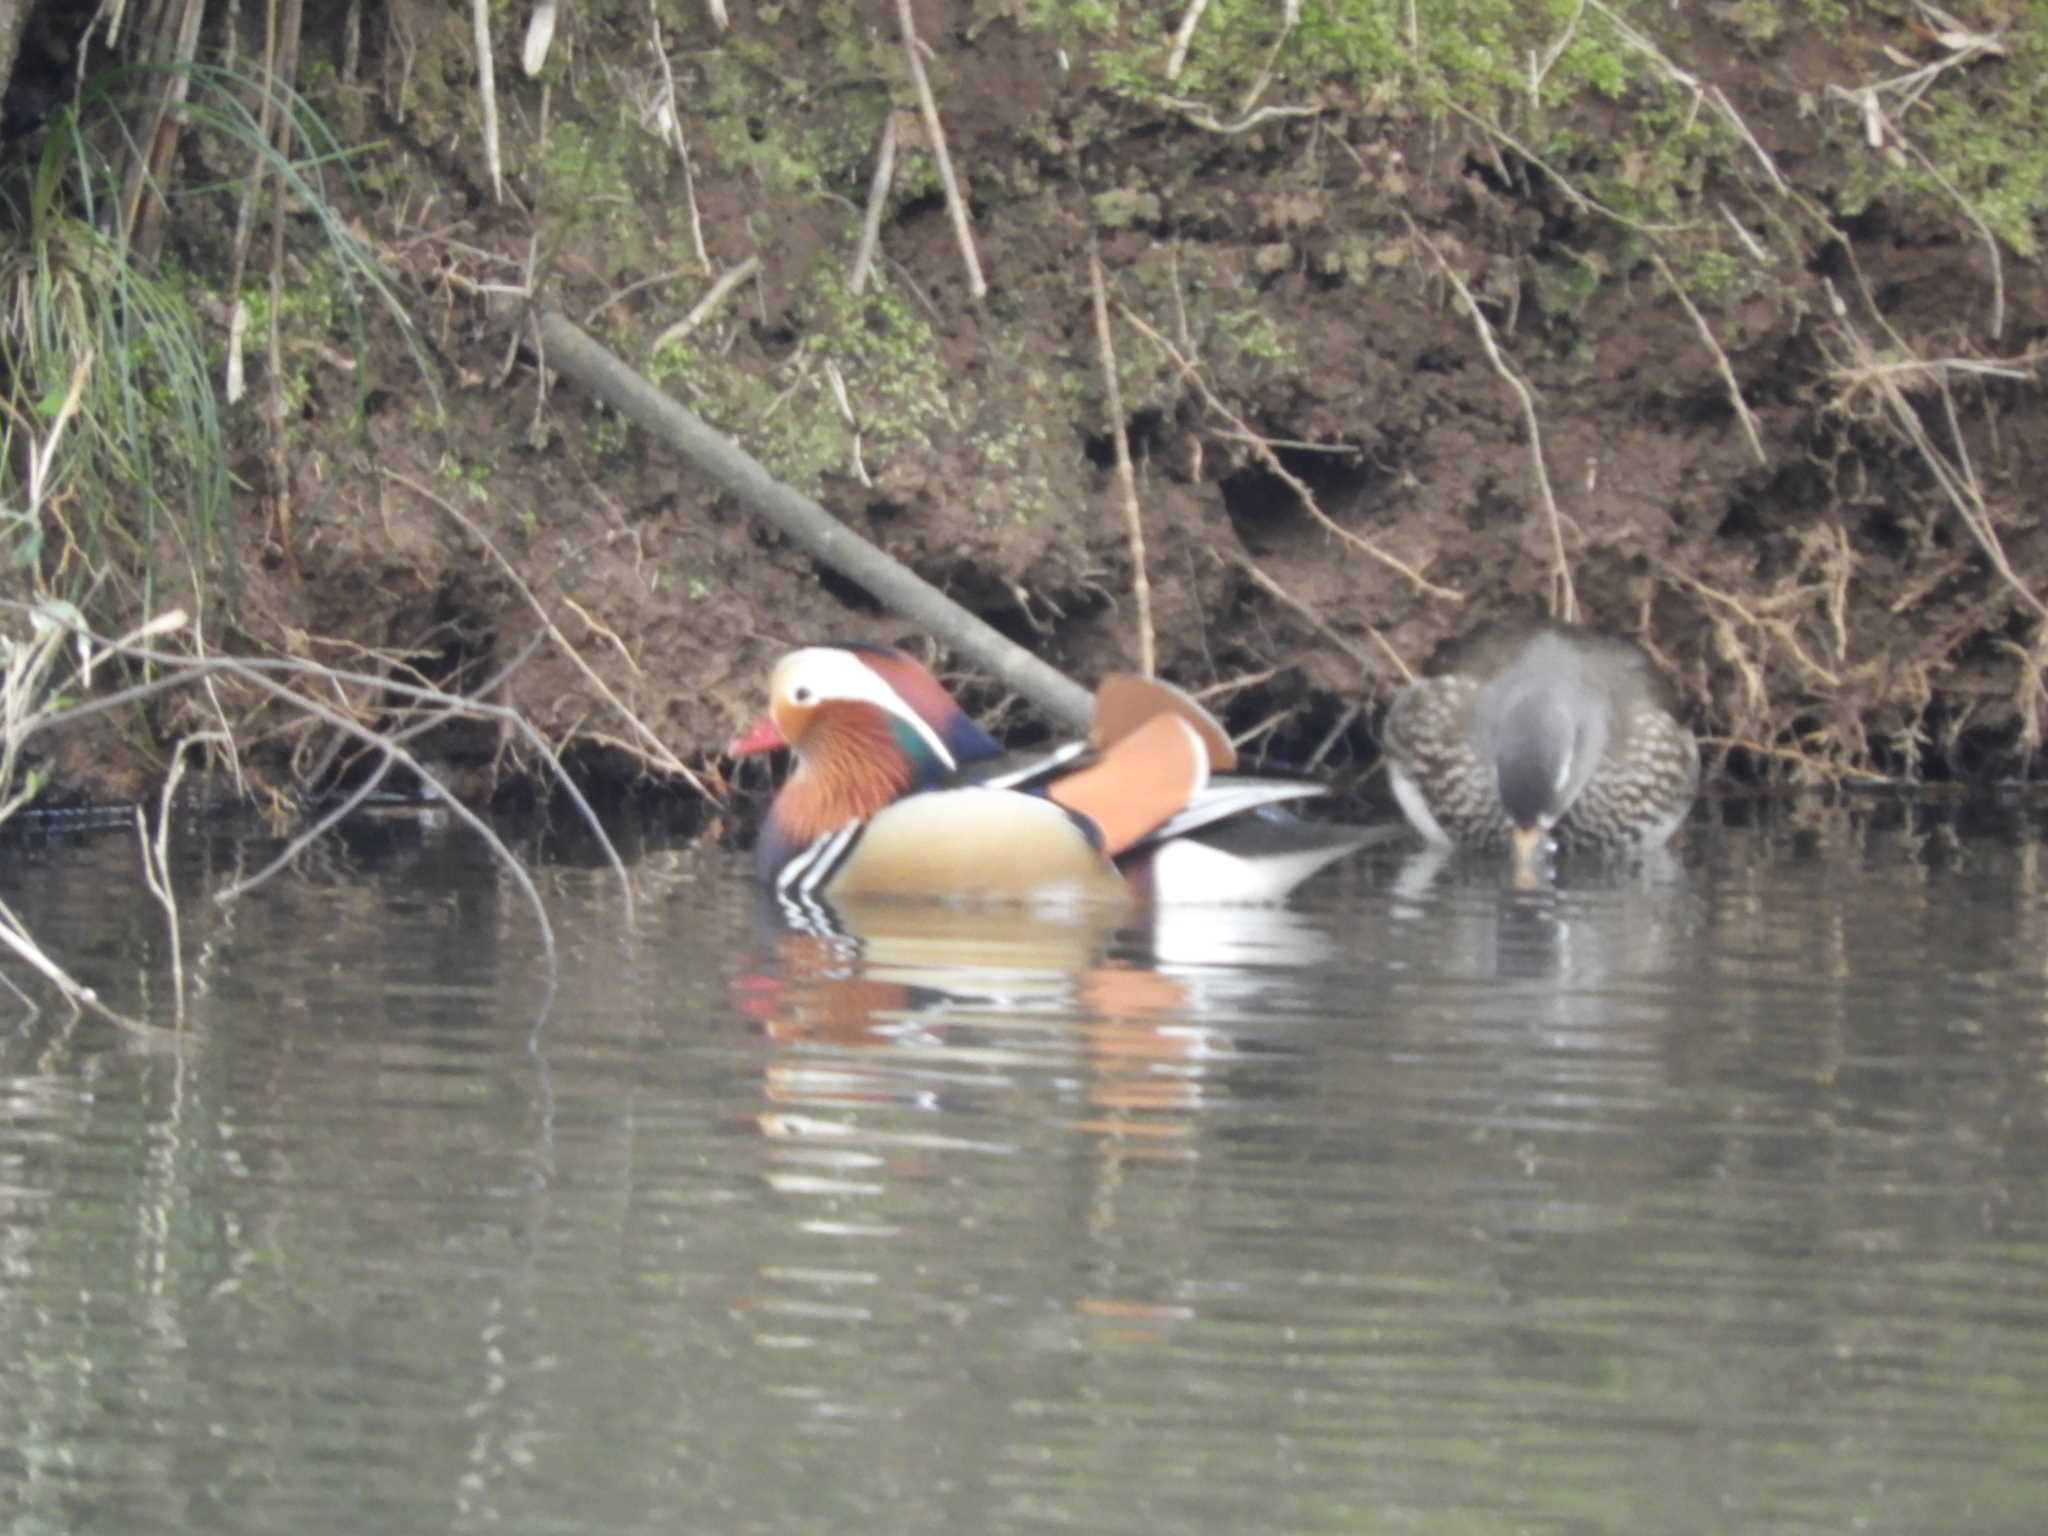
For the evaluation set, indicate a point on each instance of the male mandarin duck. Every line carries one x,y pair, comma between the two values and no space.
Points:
1533,730
898,792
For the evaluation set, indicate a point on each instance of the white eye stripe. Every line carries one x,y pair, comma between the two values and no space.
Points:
820,674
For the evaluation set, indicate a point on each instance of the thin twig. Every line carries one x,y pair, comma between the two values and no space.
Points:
1271,460
1564,601
156,860
878,202
346,807
1996,328
956,205
1540,65
714,296
1322,626
1743,413
1290,18
669,117
1195,113
1134,524
462,813
655,749
81,997
1332,736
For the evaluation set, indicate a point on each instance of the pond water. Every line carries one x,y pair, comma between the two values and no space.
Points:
1707,1197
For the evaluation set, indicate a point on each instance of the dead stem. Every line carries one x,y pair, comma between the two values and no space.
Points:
1199,116
1262,449
81,997
878,203
307,836
1743,413
1134,525
668,117
1564,600
1322,626
956,205
1332,736
1956,477
156,860
654,749
714,296
487,96
1184,34
1238,684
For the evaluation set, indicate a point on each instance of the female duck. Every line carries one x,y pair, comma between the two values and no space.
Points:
1534,731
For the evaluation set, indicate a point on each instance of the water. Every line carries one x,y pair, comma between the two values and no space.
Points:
1707,1198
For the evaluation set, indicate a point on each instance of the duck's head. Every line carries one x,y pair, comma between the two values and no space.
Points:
864,711
1544,722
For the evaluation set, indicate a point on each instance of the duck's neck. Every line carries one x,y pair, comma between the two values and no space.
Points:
850,764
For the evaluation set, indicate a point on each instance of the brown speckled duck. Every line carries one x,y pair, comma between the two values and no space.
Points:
1532,731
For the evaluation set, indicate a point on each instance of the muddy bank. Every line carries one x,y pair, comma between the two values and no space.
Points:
1346,333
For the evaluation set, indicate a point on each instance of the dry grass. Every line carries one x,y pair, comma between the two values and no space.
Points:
55,674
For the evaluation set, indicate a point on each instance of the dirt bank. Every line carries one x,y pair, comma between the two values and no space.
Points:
1798,487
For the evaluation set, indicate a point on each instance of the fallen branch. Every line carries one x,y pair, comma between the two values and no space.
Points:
809,525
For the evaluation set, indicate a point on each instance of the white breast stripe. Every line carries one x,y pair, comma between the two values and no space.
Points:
810,870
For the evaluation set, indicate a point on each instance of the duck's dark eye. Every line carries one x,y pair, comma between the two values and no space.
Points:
801,695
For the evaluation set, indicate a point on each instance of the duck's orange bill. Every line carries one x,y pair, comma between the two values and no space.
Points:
761,736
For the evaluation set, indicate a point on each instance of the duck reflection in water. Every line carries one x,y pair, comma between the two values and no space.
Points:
1139,1002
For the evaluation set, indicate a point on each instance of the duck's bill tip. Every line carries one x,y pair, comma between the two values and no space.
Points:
1530,844
761,736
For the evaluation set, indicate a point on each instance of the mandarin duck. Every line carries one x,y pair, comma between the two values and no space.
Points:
1532,731
897,792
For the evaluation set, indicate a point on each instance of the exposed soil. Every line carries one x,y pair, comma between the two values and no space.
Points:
1826,612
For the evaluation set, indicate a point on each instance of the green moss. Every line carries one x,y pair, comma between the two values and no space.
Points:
1121,207
789,417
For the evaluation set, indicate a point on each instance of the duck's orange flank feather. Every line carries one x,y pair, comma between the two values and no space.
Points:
1139,781
1124,701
